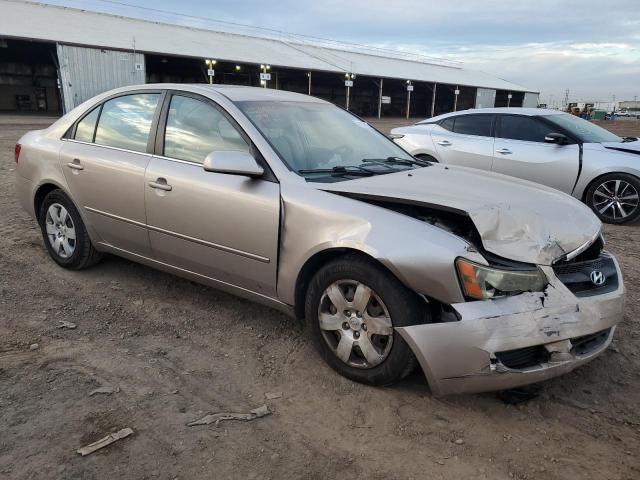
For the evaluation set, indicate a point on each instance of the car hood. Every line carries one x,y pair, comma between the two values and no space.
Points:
629,147
516,219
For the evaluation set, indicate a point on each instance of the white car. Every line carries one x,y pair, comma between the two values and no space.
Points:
544,146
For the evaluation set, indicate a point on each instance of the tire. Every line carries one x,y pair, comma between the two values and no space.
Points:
428,158
602,194
64,233
387,295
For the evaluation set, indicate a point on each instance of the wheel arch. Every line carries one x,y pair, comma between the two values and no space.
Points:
604,174
316,261
41,192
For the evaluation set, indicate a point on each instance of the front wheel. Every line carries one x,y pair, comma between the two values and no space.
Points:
352,307
614,198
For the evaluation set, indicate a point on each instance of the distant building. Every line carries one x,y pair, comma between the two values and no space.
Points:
53,58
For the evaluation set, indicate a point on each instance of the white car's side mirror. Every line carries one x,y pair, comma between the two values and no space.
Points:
232,162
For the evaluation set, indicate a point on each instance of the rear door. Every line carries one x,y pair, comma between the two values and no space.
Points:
520,151
104,161
218,225
465,140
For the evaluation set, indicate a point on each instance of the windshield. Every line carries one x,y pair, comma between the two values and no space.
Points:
585,131
321,142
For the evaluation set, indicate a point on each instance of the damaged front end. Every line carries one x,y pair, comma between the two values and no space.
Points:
526,338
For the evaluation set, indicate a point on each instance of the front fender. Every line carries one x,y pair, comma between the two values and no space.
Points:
600,161
420,255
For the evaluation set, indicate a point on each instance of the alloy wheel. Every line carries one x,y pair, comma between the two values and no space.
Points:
615,199
60,230
355,324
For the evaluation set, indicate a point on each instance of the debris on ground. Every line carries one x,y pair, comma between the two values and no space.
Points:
65,324
273,396
459,441
220,417
103,442
107,390
34,346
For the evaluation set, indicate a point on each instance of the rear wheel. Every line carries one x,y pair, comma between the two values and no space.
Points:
64,233
353,307
615,198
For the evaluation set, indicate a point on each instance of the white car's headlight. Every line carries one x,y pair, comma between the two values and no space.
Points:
482,282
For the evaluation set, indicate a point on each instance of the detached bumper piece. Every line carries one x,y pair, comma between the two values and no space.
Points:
528,338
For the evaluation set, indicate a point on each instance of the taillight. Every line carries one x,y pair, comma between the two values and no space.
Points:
16,152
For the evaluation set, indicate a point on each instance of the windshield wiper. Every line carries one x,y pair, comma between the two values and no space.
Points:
341,170
629,139
398,161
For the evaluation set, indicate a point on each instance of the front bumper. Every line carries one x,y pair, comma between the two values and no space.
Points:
468,355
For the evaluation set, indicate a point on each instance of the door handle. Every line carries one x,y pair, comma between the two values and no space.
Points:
504,151
161,184
444,143
75,165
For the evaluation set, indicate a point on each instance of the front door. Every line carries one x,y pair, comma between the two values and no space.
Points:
221,226
104,164
520,151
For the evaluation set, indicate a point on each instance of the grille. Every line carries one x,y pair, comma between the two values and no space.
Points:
576,275
588,343
523,357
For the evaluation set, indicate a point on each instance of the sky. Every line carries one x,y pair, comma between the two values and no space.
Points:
590,47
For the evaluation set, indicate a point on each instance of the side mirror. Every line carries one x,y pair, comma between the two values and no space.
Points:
232,162
557,138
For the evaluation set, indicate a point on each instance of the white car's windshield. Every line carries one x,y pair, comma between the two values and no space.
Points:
319,140
586,131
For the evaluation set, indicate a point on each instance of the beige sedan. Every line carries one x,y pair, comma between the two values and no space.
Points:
487,282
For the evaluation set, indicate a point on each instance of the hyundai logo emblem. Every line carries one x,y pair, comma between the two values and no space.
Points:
597,278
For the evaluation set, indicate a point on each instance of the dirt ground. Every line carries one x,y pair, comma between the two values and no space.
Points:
177,351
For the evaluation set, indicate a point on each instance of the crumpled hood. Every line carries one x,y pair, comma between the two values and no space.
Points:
516,219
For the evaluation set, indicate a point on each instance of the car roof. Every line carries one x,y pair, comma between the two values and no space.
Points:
510,110
235,93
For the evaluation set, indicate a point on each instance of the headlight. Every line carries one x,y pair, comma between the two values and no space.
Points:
482,282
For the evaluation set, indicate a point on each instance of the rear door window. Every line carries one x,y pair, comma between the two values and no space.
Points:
479,125
125,122
447,123
87,126
520,127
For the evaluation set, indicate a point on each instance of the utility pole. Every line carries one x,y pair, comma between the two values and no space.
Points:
409,90
348,82
264,75
210,71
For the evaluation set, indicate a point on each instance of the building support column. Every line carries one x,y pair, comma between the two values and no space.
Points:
380,98
433,99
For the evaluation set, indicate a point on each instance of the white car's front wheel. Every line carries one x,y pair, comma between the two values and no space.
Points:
615,198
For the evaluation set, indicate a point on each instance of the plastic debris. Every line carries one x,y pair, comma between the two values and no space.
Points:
65,324
107,389
273,396
220,417
103,442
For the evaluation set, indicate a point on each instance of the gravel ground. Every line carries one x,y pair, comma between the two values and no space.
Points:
175,351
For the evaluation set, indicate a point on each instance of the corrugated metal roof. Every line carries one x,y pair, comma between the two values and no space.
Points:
80,27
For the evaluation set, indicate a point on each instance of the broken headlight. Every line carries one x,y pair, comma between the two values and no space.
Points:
482,282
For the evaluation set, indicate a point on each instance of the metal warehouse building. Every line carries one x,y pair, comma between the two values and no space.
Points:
54,58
